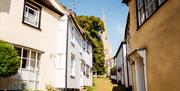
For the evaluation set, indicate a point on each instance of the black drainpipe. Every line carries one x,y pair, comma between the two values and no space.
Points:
67,35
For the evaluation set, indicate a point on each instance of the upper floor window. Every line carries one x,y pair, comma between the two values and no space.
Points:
73,60
31,15
72,35
145,8
81,45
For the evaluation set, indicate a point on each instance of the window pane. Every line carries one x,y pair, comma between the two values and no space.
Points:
32,75
161,1
150,7
39,57
38,66
140,3
18,51
31,15
32,65
25,53
141,13
37,85
31,11
24,62
37,76
33,55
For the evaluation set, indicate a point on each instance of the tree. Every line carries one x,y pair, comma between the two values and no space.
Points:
9,61
93,26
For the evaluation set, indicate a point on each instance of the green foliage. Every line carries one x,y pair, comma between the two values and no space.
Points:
93,26
113,71
90,88
9,61
49,87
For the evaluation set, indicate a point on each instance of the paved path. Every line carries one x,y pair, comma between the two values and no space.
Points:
104,84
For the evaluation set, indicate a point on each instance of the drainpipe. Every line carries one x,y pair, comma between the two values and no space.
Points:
127,65
67,38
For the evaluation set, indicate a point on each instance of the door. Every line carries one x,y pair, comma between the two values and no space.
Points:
140,77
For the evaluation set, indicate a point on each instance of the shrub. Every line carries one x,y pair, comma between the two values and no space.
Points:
9,61
89,88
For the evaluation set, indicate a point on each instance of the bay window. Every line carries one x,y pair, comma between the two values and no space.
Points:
29,66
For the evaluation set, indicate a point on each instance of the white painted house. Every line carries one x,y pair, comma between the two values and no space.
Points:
124,69
78,55
120,59
52,48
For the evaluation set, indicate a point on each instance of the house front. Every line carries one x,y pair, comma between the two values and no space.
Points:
32,26
79,56
154,57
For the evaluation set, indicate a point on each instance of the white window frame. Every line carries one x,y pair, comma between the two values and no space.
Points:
28,69
81,45
72,35
73,62
33,20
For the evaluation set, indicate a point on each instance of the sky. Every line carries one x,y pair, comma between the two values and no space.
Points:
115,15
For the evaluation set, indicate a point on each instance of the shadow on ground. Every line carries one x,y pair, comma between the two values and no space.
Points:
119,88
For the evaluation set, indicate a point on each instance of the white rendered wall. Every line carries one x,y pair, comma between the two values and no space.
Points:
47,40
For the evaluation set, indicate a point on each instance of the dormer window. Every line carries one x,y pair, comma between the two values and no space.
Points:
31,15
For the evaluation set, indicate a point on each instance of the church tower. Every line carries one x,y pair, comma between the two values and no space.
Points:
109,63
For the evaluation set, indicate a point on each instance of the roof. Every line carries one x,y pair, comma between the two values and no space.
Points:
81,31
127,27
49,5
119,48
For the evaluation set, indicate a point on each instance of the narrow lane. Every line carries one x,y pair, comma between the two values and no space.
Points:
105,84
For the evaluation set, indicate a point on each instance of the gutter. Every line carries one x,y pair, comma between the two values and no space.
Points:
54,3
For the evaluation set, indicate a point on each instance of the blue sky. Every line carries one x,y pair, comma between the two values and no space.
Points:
115,13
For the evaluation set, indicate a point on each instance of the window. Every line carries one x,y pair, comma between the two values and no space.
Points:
84,45
88,48
145,8
30,65
73,65
141,12
87,70
31,15
72,36
81,45
150,7
161,1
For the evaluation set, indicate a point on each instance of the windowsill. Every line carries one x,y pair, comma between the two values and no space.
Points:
88,52
80,53
38,28
72,43
139,26
72,76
